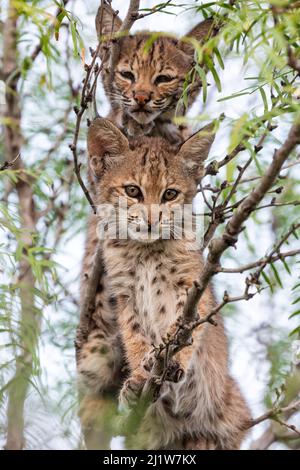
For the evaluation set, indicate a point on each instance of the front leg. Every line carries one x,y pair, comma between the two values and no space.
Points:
132,390
137,346
184,356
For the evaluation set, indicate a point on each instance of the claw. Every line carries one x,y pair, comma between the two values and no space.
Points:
131,391
175,372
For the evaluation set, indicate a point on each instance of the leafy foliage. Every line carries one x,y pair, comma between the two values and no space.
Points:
265,35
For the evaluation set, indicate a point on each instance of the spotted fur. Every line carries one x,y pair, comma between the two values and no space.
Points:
149,280
149,77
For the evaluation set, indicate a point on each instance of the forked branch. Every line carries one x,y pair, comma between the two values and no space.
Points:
190,318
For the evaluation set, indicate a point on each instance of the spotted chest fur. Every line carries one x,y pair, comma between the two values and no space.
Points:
149,279
148,282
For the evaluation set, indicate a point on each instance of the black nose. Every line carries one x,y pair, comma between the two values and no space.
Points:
149,228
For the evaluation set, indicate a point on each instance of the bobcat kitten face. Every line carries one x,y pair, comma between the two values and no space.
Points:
149,75
149,82
153,179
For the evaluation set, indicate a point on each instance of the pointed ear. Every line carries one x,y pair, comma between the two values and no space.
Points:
107,146
195,150
201,32
107,21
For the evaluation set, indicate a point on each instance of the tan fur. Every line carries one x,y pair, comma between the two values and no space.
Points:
142,105
149,281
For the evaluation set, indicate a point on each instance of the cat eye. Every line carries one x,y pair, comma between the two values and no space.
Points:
163,79
170,194
127,74
133,191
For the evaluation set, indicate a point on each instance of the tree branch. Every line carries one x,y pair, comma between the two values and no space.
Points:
131,17
88,304
29,319
155,9
190,317
273,412
15,72
274,255
9,164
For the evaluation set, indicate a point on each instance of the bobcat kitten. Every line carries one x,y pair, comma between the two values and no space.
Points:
149,77
150,276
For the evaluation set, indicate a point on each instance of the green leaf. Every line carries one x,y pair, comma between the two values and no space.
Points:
58,23
266,278
74,39
296,301
202,75
276,274
211,67
297,312
219,58
286,266
237,132
264,98
234,95
295,331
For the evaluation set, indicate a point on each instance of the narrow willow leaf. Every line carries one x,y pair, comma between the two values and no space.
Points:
294,314
58,22
295,331
219,58
266,278
264,98
276,274
206,5
237,132
202,75
211,67
286,266
234,95
74,39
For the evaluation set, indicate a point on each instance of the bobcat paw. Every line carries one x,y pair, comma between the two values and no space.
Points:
200,444
148,361
131,391
174,372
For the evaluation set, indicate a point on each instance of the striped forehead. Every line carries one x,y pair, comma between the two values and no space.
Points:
152,171
138,57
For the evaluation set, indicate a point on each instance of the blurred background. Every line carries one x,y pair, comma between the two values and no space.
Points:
263,352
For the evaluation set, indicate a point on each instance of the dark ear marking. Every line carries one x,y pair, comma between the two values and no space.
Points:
107,21
107,24
202,32
194,151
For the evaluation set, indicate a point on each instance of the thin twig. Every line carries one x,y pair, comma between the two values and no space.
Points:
273,412
9,164
155,9
262,262
190,318
16,72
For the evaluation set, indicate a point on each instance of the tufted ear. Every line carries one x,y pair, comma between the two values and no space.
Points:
194,151
107,21
107,146
201,32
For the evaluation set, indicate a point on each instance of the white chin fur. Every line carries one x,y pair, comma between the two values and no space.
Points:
141,237
144,118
